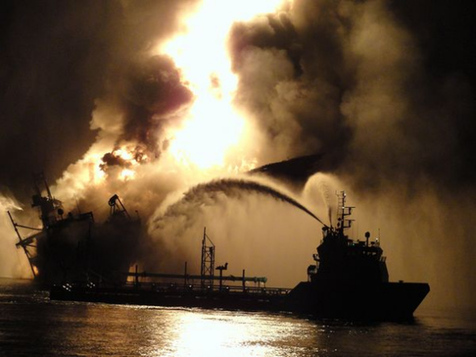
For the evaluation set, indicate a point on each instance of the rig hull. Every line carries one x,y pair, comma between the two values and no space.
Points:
73,247
77,251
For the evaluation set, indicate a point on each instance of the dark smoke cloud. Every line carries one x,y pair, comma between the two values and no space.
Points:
151,92
59,57
352,80
296,100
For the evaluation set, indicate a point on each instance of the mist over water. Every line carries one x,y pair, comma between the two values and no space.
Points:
426,238
12,263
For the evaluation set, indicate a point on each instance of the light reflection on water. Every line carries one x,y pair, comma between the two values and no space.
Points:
194,332
220,333
30,324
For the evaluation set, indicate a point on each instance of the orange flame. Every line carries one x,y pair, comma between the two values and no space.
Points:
213,126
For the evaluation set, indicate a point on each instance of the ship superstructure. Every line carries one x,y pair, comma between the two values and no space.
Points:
342,259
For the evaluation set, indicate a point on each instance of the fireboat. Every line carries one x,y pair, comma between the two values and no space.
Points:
350,279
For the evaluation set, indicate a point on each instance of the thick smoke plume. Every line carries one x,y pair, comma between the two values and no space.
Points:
384,90
62,63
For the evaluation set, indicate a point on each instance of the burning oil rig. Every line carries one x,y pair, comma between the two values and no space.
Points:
73,247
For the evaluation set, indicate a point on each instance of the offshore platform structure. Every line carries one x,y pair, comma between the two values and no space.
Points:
73,247
51,214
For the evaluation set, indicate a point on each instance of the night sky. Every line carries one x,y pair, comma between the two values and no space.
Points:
384,90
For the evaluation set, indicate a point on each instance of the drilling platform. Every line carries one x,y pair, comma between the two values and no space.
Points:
73,247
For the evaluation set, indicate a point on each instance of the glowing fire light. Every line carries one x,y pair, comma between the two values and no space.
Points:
127,174
123,154
210,132
212,126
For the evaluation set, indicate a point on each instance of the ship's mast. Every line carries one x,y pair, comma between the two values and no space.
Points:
343,212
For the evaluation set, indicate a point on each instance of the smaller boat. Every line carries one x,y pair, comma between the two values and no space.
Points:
350,279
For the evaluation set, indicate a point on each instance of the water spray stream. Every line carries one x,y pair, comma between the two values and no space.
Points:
234,187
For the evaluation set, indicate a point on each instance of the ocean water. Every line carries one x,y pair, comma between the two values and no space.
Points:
32,325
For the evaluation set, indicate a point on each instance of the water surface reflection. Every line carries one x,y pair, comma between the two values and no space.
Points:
30,325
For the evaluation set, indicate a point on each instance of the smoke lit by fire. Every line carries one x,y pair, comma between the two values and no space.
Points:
213,126
205,132
159,101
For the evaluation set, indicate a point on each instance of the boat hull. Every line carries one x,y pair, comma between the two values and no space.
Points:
386,301
382,301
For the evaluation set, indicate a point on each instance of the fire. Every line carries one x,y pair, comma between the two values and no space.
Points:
124,154
209,137
213,126
127,174
94,169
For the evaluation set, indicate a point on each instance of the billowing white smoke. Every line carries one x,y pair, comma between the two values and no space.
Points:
13,263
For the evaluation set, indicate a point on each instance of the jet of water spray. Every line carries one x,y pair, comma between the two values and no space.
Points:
235,188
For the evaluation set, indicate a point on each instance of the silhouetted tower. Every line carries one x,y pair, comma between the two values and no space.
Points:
343,211
207,270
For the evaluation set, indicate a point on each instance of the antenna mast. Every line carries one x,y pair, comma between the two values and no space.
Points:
343,212
207,269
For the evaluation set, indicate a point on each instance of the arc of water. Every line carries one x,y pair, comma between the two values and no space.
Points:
225,185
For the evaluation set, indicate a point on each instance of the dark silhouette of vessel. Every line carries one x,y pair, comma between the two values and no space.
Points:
73,247
349,280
